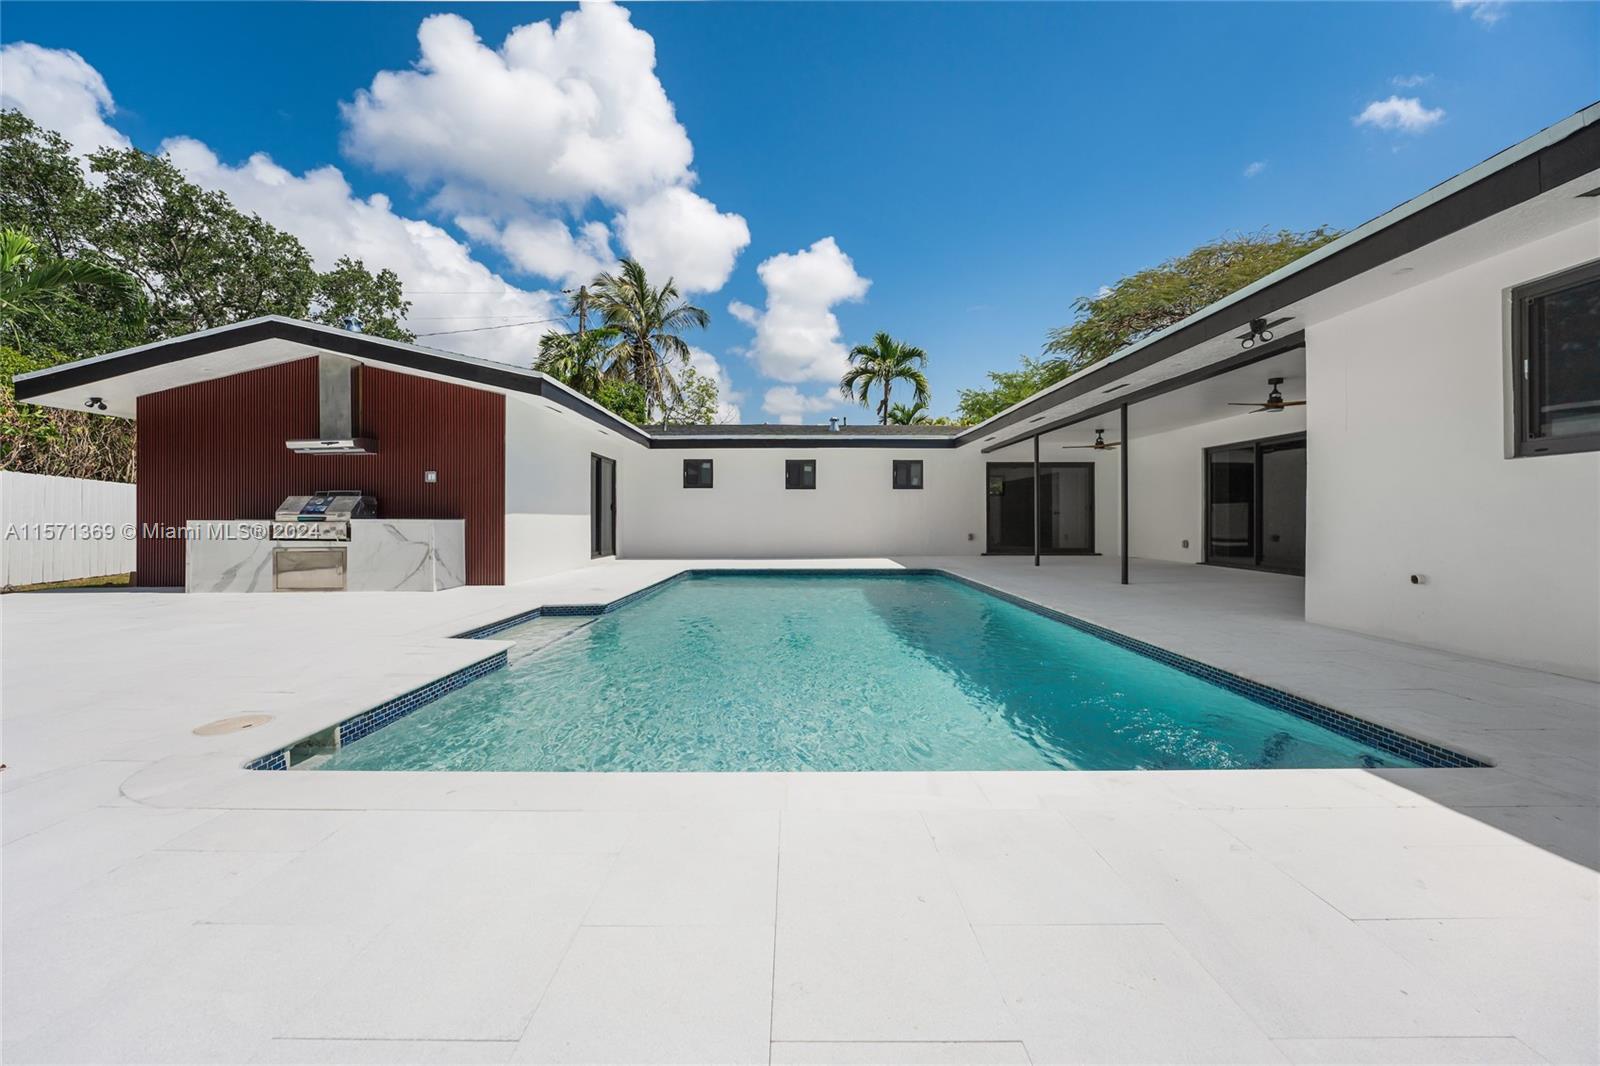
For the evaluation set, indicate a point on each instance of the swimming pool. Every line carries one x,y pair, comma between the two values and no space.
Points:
730,672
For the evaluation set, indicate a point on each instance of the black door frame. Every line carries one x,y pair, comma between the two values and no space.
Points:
596,464
1256,510
989,549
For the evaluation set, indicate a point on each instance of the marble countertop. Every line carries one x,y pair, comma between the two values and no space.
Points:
382,554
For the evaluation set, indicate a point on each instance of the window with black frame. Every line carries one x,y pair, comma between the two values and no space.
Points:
908,473
697,473
1555,369
799,473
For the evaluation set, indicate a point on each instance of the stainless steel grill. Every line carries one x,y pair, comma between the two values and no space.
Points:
324,515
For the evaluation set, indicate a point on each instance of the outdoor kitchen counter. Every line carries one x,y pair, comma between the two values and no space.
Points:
381,555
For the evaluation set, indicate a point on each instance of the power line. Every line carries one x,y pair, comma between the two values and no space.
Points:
504,325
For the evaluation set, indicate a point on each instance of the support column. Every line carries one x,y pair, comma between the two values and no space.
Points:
1035,501
1124,411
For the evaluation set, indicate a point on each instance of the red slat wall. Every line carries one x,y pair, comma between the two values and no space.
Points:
214,450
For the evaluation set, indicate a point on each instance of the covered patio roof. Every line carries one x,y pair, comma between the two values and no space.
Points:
1538,187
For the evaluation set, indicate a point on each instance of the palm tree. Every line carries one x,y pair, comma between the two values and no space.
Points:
33,285
915,415
881,364
646,321
577,360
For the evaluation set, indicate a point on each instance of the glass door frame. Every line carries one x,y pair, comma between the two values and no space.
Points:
990,549
597,463
1257,511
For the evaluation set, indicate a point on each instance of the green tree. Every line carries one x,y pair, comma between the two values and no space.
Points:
647,321
696,404
626,398
879,365
1141,304
35,287
915,415
195,262
198,261
376,302
579,361
1008,387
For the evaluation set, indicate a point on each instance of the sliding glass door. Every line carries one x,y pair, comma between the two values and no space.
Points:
602,506
1256,504
1066,509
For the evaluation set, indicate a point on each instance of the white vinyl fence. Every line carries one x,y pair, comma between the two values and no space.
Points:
63,528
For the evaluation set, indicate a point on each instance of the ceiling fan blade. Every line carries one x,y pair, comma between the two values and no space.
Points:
1279,321
1252,403
1293,403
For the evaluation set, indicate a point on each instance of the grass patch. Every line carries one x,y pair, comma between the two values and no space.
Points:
105,582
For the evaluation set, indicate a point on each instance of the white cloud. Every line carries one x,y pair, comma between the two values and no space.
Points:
797,334
679,234
1255,168
557,113
562,113
728,398
1410,81
59,90
1404,113
546,246
1487,12
789,406
448,289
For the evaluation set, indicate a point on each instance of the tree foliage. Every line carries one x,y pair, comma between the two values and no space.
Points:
195,262
915,415
648,322
879,365
579,361
1141,304
697,400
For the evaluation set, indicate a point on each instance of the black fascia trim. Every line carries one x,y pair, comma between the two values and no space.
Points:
1548,168
801,443
598,415
1278,347
73,375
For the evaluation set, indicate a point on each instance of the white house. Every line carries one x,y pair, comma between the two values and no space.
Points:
1409,417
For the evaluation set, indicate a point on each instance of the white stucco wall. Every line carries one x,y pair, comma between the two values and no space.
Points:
853,511
1408,475
1166,474
547,486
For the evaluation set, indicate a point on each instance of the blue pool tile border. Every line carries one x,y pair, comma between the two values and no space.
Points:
1423,753
389,711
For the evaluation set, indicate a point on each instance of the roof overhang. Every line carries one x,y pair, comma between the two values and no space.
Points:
1521,194
118,380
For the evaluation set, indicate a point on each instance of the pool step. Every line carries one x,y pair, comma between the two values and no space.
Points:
540,633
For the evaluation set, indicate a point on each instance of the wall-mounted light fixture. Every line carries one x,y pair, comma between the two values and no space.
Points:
95,403
1260,330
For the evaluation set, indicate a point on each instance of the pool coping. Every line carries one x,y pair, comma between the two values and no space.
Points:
1424,753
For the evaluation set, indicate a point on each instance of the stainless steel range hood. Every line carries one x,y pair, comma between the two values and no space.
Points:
338,411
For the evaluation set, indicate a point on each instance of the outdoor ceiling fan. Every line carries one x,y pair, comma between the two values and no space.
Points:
1260,330
1099,444
1275,400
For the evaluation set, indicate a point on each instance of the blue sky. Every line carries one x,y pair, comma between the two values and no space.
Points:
982,165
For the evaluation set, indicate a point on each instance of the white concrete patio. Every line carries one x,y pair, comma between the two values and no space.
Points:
160,904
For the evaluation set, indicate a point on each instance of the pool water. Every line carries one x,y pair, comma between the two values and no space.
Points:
838,672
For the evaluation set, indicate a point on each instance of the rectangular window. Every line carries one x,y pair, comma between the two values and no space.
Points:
799,473
1555,370
697,473
908,473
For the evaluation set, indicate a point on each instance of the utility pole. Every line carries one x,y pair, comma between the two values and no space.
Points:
583,309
